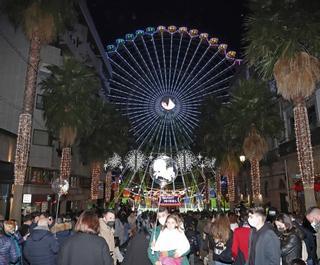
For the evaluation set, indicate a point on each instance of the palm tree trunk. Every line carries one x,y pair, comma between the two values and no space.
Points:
108,186
65,163
95,177
255,180
231,191
304,151
25,127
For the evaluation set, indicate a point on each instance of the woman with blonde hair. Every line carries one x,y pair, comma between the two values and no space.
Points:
221,240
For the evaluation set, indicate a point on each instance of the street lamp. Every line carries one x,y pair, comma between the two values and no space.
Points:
242,158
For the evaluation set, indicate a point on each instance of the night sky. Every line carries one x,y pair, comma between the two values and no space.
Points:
222,19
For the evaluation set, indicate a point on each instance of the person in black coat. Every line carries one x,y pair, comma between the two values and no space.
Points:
137,251
85,247
291,243
41,247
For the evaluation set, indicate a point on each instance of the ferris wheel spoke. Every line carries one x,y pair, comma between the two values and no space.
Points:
146,129
146,85
162,131
195,85
131,76
176,64
158,62
182,64
195,67
127,93
164,63
151,61
170,63
213,78
154,132
138,92
200,72
208,88
179,84
156,82
150,84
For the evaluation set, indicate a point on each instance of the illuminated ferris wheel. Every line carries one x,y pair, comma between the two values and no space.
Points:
161,76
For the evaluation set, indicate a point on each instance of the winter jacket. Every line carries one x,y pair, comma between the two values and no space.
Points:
240,245
41,247
137,251
84,249
8,251
154,256
291,246
265,247
222,251
107,233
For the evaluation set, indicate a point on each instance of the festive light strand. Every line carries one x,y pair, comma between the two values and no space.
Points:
22,149
303,142
108,186
65,164
255,179
95,179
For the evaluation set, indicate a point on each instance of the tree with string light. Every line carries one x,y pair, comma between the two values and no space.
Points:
282,41
68,96
41,21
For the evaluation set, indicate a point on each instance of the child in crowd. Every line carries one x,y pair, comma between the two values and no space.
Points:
171,240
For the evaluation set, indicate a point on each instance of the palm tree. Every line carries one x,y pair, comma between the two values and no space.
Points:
254,104
68,95
255,147
230,168
41,21
108,135
282,41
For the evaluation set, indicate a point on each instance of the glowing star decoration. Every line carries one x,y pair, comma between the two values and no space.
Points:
135,160
186,160
210,162
113,162
60,186
163,170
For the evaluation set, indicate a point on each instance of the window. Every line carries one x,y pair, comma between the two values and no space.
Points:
41,137
39,102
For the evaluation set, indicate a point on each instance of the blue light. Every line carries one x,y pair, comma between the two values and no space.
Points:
111,48
129,36
120,41
139,32
150,30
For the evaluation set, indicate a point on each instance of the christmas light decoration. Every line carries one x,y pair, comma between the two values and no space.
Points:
65,164
135,160
218,183
22,149
186,160
113,162
304,147
255,179
108,186
210,162
95,179
231,188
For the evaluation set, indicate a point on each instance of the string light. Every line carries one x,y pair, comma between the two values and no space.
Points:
108,186
95,179
218,183
231,188
65,164
303,142
255,179
22,149
113,162
186,160
135,160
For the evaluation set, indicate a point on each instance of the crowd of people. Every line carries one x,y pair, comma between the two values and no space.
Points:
244,237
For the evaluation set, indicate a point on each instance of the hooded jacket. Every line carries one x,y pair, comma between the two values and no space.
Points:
41,247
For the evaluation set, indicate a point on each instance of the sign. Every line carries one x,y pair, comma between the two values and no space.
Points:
170,201
26,198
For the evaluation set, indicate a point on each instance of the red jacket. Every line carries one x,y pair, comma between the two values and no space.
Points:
241,242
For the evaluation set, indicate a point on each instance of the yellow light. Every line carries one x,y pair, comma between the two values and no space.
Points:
231,54
242,158
213,41
204,36
22,148
222,47
183,29
161,28
95,177
194,32
65,164
172,29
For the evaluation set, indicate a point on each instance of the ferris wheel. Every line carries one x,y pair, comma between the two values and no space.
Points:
160,78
